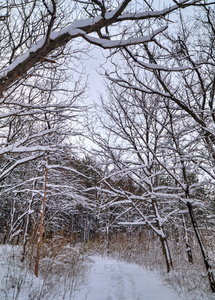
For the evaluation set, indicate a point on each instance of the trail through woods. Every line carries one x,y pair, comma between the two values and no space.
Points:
110,279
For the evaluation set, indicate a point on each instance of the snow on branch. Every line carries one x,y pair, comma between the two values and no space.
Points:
155,66
69,169
108,44
25,149
52,40
19,162
157,13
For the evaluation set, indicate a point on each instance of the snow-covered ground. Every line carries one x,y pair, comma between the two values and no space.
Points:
72,275
110,279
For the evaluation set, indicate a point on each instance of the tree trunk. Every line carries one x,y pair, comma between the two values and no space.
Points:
166,252
27,222
187,241
203,250
163,239
39,243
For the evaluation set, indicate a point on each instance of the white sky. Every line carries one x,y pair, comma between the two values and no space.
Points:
93,68
93,65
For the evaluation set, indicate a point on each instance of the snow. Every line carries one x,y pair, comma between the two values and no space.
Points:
110,279
104,43
94,278
77,28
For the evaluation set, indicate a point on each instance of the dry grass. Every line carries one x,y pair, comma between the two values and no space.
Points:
189,280
63,269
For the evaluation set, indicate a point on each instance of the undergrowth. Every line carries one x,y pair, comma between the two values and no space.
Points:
189,280
63,270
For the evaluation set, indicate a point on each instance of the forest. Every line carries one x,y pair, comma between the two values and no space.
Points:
128,172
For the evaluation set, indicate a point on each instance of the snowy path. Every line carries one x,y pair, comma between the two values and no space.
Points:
110,279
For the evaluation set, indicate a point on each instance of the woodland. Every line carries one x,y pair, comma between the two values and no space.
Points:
132,175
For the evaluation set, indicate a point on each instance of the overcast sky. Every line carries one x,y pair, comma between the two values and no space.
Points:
93,64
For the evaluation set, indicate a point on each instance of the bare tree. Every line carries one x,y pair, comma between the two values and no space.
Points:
32,31
134,146
35,47
181,74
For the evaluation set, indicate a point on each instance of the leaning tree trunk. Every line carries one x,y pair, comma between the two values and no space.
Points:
166,252
159,230
197,233
163,238
187,241
39,243
203,250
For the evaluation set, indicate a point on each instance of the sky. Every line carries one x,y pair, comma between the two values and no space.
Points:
95,65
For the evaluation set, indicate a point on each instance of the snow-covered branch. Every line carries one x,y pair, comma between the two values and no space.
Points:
53,39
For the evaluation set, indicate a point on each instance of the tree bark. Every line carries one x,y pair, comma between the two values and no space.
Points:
188,248
163,239
166,252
